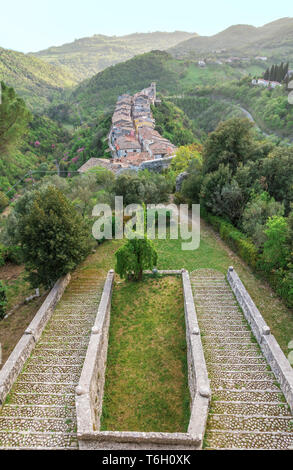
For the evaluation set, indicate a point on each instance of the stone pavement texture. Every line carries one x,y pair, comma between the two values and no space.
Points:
39,412
248,409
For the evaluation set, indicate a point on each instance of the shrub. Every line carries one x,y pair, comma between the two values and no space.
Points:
54,238
135,256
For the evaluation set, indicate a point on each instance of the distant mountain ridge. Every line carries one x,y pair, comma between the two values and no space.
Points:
274,40
87,56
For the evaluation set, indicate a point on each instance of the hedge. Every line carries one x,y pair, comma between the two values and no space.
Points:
280,280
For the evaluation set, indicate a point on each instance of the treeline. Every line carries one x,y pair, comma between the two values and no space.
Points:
277,73
244,186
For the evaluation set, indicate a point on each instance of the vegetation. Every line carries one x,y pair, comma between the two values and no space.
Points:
273,40
52,235
38,82
87,56
134,257
245,195
146,385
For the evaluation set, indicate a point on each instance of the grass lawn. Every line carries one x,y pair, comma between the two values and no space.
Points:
214,253
146,386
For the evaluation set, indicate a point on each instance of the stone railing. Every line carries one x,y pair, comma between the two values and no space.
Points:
26,344
267,342
89,393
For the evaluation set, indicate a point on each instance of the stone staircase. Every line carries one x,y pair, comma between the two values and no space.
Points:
39,412
248,409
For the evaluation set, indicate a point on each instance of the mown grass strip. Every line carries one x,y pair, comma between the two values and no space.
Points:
146,385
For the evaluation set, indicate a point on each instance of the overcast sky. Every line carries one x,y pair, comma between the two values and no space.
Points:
32,25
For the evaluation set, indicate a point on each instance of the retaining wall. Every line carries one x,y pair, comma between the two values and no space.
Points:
268,343
26,344
89,393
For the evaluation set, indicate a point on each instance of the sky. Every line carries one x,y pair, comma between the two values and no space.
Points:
33,25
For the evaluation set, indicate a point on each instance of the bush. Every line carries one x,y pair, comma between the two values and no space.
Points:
3,300
54,238
135,256
234,238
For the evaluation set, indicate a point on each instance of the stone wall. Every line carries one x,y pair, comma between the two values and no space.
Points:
268,344
156,165
26,344
89,393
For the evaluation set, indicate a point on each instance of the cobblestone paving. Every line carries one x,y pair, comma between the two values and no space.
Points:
248,410
40,409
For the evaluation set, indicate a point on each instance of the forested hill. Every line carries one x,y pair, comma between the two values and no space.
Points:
87,56
34,80
274,40
100,92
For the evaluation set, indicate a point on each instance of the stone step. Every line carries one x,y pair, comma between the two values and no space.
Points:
38,424
68,328
247,395
43,387
217,334
235,361
215,330
248,440
241,408
251,423
38,440
68,377
54,369
232,353
243,385
73,353
219,368
38,411
42,399
235,347
59,345
231,375
55,360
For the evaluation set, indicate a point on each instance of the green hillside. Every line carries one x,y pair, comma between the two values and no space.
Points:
38,82
274,40
173,77
87,56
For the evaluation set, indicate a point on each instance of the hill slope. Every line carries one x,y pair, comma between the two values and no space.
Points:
274,40
34,80
87,56
173,77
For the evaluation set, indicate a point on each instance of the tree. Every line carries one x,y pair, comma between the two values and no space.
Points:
14,118
184,156
53,236
230,144
256,214
275,251
277,171
135,256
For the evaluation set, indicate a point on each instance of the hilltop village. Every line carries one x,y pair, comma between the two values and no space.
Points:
133,139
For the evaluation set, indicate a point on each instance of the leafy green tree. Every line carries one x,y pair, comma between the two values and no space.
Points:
275,251
221,194
53,236
230,144
256,214
14,118
277,172
134,257
184,156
